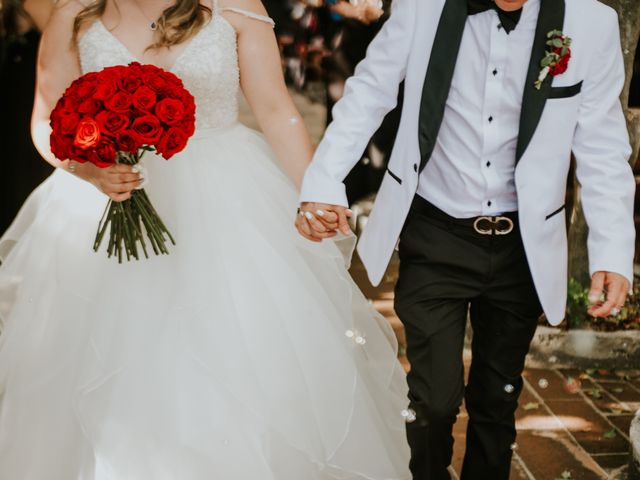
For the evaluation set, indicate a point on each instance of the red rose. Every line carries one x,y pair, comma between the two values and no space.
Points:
170,111
144,98
173,80
147,129
69,123
128,141
112,122
87,134
111,74
104,155
86,88
173,141
61,146
150,68
174,91
189,124
120,102
189,103
155,82
105,90
130,82
89,107
56,116
562,65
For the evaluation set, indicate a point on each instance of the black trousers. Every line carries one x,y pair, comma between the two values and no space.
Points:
446,270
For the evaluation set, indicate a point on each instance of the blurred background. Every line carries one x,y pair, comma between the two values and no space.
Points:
576,418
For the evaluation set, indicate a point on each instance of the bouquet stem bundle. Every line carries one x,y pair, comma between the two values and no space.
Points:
127,222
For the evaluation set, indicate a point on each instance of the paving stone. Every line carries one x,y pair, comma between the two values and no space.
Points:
612,461
597,374
517,471
603,400
588,427
555,388
549,453
622,391
623,422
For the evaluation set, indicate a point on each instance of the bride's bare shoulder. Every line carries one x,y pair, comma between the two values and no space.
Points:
69,8
63,17
243,13
254,6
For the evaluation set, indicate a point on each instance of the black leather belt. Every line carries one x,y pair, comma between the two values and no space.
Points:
483,225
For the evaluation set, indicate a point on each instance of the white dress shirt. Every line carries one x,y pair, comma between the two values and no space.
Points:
472,169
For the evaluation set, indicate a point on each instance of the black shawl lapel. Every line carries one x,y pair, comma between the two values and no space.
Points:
437,82
551,17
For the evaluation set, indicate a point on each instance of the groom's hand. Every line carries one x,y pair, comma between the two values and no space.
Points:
614,286
317,221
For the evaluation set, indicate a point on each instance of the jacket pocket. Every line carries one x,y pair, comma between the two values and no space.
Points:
394,176
566,92
555,212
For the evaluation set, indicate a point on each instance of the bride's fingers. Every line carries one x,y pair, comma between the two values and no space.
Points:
126,187
120,168
330,221
125,177
315,223
327,217
120,197
304,229
319,235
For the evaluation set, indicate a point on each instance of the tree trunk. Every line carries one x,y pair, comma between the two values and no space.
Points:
629,14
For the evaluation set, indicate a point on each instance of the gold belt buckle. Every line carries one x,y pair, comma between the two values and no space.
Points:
495,225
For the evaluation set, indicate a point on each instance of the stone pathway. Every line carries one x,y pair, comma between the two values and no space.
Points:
572,424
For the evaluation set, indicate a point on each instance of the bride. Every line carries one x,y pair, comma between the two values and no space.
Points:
239,355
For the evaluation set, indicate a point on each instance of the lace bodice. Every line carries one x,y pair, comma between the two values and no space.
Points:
208,66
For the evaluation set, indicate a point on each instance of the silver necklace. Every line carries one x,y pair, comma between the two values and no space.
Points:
153,24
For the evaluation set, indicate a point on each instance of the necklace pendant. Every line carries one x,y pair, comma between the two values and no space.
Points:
153,26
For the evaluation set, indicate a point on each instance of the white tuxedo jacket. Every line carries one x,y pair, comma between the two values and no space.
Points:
578,111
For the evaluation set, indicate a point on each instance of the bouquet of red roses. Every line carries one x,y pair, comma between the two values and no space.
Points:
115,116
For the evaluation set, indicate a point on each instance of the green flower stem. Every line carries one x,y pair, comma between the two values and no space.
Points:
152,231
130,220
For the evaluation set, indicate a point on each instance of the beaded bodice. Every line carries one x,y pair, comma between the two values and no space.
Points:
208,66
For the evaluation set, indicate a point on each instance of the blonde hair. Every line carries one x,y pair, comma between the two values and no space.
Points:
177,23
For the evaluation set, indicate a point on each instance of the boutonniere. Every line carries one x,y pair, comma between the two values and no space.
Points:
556,59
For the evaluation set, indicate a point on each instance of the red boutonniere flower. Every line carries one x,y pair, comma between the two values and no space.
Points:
556,59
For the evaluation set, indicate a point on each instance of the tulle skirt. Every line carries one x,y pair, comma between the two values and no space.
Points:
247,353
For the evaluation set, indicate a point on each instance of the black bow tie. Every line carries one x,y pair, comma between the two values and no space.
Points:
509,20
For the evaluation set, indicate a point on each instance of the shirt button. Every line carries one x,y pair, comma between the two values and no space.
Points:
495,72
415,167
499,26
488,164
489,203
490,119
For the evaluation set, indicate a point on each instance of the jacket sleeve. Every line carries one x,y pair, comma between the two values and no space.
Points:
369,95
602,151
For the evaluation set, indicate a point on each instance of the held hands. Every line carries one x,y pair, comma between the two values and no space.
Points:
364,11
317,221
615,287
117,182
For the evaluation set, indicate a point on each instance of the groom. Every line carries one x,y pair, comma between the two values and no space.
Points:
497,97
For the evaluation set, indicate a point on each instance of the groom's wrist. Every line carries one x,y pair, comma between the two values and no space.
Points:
327,194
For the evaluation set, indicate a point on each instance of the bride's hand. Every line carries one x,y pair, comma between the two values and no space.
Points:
316,221
117,182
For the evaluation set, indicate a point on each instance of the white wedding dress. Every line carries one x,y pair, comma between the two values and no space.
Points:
232,358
